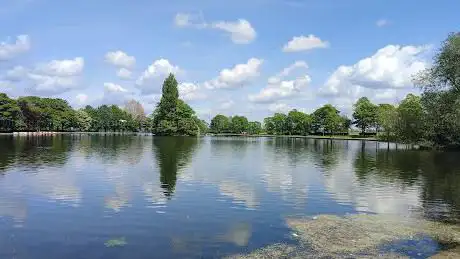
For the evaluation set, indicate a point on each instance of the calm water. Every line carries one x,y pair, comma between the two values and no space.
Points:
66,196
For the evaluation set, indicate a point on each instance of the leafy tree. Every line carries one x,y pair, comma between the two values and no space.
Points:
137,113
299,123
202,125
441,95
345,124
445,72
279,122
409,127
327,119
9,112
364,114
239,124
220,123
387,117
172,115
136,109
34,115
269,125
254,127
84,120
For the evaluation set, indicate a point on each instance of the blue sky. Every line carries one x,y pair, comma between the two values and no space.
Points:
250,57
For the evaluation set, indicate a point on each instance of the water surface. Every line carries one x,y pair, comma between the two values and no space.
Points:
72,196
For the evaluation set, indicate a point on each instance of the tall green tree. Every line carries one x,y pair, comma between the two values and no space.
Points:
239,124
299,123
327,120
254,127
269,125
444,74
410,113
345,124
365,114
173,116
387,118
441,95
220,124
279,122
9,112
84,120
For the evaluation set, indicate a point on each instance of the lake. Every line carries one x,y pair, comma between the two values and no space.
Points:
126,196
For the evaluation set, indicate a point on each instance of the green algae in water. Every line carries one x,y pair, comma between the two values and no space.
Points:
116,242
363,236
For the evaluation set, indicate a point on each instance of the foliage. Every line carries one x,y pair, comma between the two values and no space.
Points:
442,118
84,120
220,124
254,127
239,124
173,116
445,72
269,125
387,117
364,114
409,126
298,123
9,112
202,125
46,113
441,95
327,120
136,109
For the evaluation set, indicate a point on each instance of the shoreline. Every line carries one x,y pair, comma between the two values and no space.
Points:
53,133
299,136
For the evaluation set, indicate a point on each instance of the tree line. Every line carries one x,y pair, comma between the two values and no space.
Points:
172,116
32,113
432,119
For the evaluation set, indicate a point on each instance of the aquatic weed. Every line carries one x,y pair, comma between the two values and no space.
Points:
116,242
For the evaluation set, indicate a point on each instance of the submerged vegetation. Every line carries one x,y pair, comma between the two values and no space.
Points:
116,242
362,235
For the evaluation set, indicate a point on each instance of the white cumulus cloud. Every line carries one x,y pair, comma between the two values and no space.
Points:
120,59
304,43
190,92
390,67
45,84
241,31
158,69
9,50
56,76
278,88
111,87
386,76
237,76
62,68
